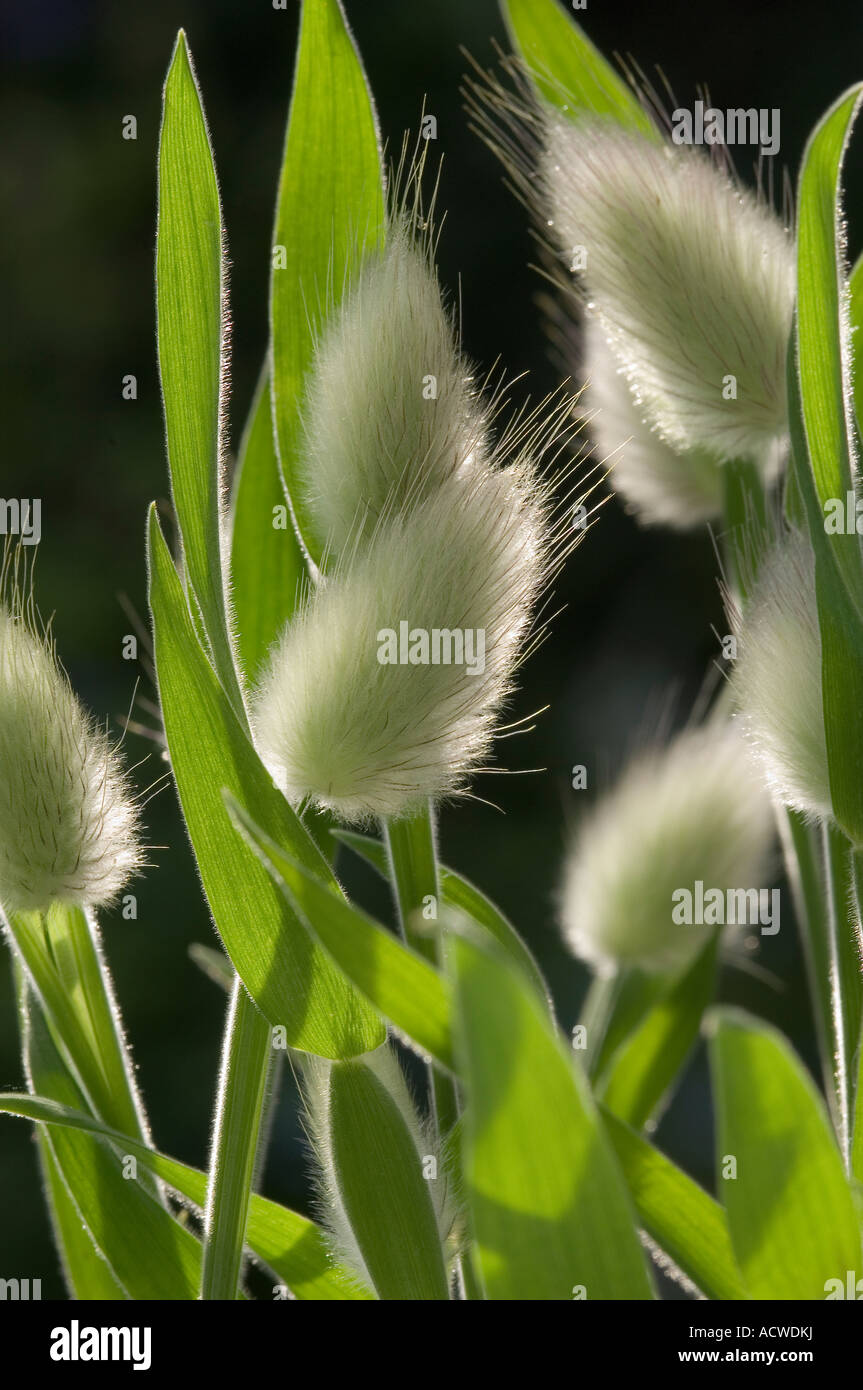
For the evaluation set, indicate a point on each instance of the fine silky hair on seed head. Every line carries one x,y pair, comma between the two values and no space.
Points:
694,810
776,677
69,827
691,279
660,485
367,739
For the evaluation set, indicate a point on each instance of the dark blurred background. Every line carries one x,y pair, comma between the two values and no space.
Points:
77,203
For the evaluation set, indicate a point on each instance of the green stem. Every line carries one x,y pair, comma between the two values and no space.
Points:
597,1012
844,974
415,878
246,1061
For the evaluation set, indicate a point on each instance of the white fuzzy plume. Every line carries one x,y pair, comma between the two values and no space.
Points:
68,825
694,810
776,679
691,278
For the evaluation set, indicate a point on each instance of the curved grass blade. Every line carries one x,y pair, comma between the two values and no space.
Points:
401,985
330,213
686,1223
291,980
461,895
267,566
289,1244
191,297
791,1213
567,69
550,1213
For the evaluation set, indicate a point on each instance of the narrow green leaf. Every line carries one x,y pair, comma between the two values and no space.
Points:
148,1252
330,213
88,1276
248,1051
645,1068
289,1244
790,1210
190,301
686,1223
567,69
549,1209
291,980
267,566
402,986
459,894
855,314
381,1185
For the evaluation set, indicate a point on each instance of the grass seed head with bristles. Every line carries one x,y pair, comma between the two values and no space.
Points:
694,810
389,411
368,738
776,678
69,828
661,485
691,278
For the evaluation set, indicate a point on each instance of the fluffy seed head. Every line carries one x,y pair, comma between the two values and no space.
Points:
389,410
68,828
776,679
354,712
695,810
692,280
661,485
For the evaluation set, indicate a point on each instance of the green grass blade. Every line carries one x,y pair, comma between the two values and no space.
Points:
646,1067
330,212
381,1186
459,894
248,1051
549,1210
292,981
686,1223
190,301
267,566
790,1210
855,313
88,1276
289,1244
148,1252
567,69
401,985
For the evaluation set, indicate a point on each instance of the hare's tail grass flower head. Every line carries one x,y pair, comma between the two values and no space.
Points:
692,811
691,278
660,485
389,411
776,677
69,826
385,688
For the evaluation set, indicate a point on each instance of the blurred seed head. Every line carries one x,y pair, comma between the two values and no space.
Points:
68,824
776,678
690,277
694,810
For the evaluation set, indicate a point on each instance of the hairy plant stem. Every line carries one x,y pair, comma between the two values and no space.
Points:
416,884
597,1012
246,1058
